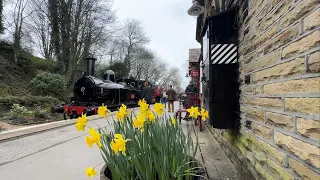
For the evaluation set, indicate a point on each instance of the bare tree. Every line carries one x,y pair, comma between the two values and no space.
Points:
76,27
159,71
133,36
15,21
40,29
141,61
171,77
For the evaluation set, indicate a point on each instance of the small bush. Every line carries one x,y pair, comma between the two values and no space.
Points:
4,90
49,84
40,114
25,64
17,111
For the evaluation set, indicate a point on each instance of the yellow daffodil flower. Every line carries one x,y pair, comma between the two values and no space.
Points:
121,114
173,121
119,144
90,172
103,111
82,122
142,101
123,109
139,122
95,138
159,108
194,112
143,106
151,116
204,114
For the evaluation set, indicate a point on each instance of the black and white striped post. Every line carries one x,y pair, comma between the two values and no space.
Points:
224,54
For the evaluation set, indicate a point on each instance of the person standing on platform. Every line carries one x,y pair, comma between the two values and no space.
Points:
164,97
157,93
191,88
171,97
147,93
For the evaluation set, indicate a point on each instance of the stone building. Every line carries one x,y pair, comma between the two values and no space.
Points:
279,65
194,66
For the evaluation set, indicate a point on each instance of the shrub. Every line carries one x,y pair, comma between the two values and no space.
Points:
40,114
49,84
25,64
4,90
29,101
17,111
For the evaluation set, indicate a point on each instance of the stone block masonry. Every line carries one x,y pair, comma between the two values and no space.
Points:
279,51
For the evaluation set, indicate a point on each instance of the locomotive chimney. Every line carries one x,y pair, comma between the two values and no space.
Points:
90,65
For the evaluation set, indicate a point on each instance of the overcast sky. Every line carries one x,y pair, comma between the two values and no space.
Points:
167,24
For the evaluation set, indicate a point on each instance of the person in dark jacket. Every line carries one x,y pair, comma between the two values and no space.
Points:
171,97
147,93
191,88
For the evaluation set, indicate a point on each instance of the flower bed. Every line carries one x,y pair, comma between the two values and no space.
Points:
144,145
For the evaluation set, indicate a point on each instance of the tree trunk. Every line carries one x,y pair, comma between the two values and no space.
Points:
1,15
54,18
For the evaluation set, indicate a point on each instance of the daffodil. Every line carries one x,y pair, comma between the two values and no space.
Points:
159,108
194,112
173,121
103,111
139,122
121,114
142,101
204,114
123,109
143,106
90,172
93,138
150,116
118,144
82,122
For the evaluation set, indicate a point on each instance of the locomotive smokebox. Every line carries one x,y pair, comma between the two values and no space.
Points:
90,65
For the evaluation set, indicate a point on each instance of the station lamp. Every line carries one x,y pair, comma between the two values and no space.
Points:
195,10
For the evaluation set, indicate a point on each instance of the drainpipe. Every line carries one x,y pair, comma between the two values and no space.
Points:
217,4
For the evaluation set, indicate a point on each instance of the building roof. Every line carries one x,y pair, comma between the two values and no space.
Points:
194,55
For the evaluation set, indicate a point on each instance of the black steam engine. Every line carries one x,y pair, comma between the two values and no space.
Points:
91,92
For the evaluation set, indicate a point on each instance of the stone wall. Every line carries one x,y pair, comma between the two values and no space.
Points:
280,83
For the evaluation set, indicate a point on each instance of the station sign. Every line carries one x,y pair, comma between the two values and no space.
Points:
195,73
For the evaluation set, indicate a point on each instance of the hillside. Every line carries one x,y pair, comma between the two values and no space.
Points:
13,80
15,76
15,88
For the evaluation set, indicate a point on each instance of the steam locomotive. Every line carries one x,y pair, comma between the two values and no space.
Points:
91,92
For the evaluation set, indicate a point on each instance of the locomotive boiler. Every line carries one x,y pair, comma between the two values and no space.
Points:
91,92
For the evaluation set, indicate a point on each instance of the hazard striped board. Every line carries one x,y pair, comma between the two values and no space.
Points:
224,54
